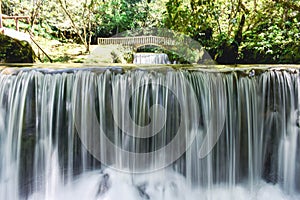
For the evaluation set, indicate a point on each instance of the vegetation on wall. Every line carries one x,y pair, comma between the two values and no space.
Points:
14,51
233,31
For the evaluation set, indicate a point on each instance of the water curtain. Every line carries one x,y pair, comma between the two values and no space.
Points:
155,133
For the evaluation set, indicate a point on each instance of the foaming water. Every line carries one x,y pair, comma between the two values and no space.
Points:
244,133
161,185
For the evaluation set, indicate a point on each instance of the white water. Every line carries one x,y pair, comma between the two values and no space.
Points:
151,58
256,156
162,185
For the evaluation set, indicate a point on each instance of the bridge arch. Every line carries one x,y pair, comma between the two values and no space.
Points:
179,44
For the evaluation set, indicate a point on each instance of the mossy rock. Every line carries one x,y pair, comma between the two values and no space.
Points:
15,51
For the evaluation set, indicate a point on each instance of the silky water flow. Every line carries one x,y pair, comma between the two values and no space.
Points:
46,119
151,58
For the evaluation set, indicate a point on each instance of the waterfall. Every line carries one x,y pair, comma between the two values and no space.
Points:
151,58
162,134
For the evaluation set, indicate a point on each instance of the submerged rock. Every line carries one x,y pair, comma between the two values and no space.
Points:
142,191
15,51
104,185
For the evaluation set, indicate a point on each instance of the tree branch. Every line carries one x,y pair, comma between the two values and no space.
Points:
73,24
288,4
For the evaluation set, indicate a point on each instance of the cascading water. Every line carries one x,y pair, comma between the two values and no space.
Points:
151,58
251,123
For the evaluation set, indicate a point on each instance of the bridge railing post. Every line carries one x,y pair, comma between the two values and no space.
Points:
1,24
17,23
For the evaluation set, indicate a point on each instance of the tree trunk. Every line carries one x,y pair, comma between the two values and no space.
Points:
36,5
83,40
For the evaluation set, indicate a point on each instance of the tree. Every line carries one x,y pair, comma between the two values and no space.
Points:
231,30
240,31
80,15
273,34
122,15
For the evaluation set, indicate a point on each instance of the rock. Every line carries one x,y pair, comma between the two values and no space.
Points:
104,185
15,51
142,191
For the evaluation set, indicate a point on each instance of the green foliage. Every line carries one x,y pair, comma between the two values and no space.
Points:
269,32
193,18
122,15
274,36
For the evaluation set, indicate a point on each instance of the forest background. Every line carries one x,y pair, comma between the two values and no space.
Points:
232,31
